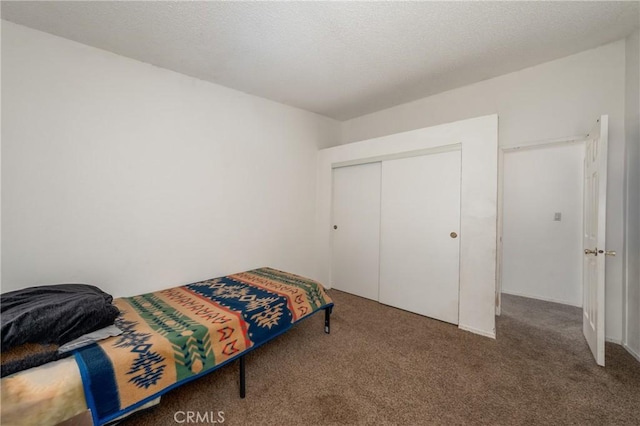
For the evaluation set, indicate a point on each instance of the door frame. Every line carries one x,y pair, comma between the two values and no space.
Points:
502,150
398,155
479,139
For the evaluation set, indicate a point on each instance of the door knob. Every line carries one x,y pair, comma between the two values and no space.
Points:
607,252
594,251
453,235
335,226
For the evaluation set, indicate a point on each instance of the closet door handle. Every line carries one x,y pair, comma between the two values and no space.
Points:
453,235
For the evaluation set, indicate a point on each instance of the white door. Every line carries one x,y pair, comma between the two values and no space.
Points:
356,229
420,246
595,202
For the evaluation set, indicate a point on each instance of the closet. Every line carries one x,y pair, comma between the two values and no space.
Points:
395,232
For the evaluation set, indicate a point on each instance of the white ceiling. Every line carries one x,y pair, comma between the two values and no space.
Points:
339,59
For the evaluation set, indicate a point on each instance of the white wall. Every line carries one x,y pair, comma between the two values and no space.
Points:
557,99
632,126
135,178
479,140
542,257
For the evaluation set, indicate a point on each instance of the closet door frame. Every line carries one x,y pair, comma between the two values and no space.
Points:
380,159
478,138
399,155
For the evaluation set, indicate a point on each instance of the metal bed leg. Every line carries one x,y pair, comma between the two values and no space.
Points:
327,319
242,381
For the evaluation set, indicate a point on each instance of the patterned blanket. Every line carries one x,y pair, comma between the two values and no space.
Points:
175,335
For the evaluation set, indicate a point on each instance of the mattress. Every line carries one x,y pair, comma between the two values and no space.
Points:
46,395
169,337
176,335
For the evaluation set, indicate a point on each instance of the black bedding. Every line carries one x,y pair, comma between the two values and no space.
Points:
48,316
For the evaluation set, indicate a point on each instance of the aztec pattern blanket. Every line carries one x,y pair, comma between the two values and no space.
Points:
175,335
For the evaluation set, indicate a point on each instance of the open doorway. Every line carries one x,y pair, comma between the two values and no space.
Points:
542,235
541,260
542,222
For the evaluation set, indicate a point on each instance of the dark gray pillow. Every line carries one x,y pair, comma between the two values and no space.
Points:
54,314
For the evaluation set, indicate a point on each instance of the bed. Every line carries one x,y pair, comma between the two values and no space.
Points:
168,338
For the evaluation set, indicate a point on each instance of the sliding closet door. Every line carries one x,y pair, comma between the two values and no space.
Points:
356,229
420,223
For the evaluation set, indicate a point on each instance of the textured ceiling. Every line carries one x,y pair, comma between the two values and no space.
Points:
339,59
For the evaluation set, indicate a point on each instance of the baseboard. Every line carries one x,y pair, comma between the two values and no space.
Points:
616,341
477,331
632,352
546,299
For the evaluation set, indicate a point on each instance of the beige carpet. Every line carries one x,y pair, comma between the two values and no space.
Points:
381,365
